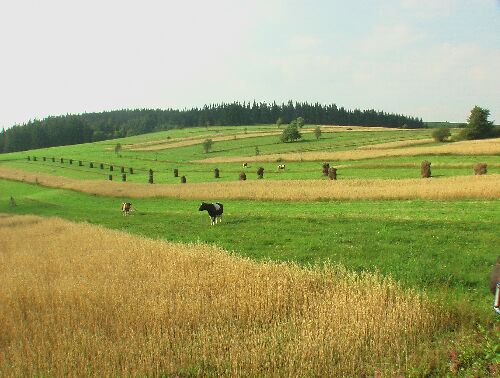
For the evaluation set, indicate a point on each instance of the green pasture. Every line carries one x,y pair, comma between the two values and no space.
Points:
385,168
163,162
437,245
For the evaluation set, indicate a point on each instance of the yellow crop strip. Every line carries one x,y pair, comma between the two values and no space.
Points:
82,300
449,188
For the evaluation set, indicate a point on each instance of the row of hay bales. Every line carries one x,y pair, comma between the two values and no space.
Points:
330,172
425,169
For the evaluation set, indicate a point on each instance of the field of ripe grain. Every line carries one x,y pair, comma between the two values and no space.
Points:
82,300
479,187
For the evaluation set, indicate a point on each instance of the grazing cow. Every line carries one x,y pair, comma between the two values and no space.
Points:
215,211
126,206
281,167
245,165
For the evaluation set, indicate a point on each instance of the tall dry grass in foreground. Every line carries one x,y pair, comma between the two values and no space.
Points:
80,300
459,187
470,147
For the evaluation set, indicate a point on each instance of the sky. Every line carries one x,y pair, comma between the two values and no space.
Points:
433,59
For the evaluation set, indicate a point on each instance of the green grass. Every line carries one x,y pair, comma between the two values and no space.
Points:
424,244
163,162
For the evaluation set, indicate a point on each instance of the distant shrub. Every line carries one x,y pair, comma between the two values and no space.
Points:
150,180
91,165
216,173
243,176
480,169
183,180
124,177
176,172
101,166
122,170
441,134
131,170
425,169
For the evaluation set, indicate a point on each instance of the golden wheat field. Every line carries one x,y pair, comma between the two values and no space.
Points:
470,147
80,300
458,187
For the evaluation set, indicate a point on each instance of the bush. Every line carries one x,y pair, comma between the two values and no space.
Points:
183,180
441,134
291,133
243,176
216,173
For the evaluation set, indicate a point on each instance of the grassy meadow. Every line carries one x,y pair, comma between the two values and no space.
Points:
430,243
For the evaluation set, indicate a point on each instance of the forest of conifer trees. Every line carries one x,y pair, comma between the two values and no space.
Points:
90,127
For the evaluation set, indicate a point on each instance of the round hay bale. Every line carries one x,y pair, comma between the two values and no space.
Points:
260,173
425,169
332,173
326,166
480,169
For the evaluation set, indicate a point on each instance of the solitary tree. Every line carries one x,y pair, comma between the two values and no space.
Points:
291,133
207,145
300,122
317,132
478,126
441,134
118,148
279,122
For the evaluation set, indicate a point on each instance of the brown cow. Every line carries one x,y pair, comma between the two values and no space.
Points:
126,206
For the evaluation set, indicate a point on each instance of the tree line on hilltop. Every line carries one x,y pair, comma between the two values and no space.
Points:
91,127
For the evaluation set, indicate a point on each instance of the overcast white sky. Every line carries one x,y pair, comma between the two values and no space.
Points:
433,59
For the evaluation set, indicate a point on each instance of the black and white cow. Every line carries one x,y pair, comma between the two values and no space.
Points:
245,165
126,206
215,211
281,167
